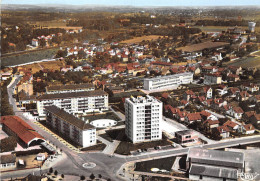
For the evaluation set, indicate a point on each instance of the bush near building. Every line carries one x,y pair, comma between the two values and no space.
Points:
8,144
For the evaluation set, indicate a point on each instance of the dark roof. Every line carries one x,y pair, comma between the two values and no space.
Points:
185,132
219,172
72,95
8,159
69,87
69,118
216,157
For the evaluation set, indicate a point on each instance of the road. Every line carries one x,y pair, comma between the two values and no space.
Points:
107,166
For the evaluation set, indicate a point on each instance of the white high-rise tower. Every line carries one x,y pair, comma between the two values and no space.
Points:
143,116
251,26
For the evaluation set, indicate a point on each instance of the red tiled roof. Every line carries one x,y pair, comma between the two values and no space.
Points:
249,127
222,129
238,110
211,122
230,124
205,113
250,113
24,131
193,116
189,92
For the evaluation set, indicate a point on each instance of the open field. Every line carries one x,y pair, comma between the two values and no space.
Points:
28,57
140,39
49,24
51,65
246,62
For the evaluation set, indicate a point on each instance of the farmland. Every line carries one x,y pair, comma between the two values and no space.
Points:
140,39
220,28
246,62
28,57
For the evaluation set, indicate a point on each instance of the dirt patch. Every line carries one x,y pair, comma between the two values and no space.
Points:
98,147
162,164
140,39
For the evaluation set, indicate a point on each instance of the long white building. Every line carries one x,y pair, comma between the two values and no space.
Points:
56,89
143,116
70,126
163,82
74,102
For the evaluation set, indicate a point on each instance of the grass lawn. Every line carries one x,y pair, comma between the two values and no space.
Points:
245,62
162,164
28,57
126,146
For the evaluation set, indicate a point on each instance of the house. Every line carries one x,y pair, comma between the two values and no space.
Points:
208,92
222,131
218,103
170,110
35,42
236,112
232,78
212,78
192,117
180,116
255,98
8,161
232,126
187,94
204,115
247,115
249,129
242,96
6,75
233,91
251,87
222,90
210,124
255,119
186,136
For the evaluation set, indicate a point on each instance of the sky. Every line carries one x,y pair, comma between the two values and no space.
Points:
141,3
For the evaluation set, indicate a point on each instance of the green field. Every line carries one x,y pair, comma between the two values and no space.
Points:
28,57
246,62
220,28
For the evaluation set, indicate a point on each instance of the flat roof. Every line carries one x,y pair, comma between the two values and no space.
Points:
216,155
69,118
69,87
72,95
202,46
170,76
185,132
219,172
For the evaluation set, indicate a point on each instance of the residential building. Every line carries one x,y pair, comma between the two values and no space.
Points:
192,117
24,133
168,81
56,89
249,129
8,161
213,78
74,102
186,136
222,131
236,112
214,165
143,116
210,124
35,42
70,126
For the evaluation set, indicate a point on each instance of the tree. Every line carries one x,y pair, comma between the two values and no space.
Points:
62,175
109,179
51,170
82,177
99,176
56,173
92,176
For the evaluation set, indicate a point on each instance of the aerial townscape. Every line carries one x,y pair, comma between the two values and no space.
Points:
134,92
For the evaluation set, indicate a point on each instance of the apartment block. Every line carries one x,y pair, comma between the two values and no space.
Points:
143,116
56,89
168,81
74,102
70,126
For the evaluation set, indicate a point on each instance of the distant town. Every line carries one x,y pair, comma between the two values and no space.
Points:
130,94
